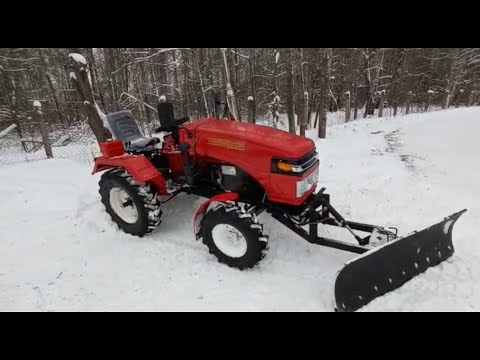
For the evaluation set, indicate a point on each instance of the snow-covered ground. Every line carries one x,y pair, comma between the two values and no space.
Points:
60,252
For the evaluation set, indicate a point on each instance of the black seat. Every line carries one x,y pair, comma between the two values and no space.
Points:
124,128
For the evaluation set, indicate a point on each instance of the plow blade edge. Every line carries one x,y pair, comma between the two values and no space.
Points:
389,266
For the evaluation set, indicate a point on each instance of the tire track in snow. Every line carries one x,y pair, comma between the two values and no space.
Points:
394,146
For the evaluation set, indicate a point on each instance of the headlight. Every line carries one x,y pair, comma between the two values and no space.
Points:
286,167
294,167
306,184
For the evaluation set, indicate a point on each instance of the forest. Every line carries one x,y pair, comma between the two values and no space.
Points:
301,85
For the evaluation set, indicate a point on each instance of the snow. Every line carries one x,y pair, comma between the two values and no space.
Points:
250,98
37,104
61,252
78,58
102,115
73,75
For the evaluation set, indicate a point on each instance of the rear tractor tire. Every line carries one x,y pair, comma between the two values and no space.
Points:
133,206
234,236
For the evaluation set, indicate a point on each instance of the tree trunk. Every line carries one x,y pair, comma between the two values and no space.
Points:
94,76
251,67
43,129
317,114
300,103
427,102
324,85
233,82
52,88
450,95
369,106
289,71
83,87
347,106
408,103
251,109
355,110
322,127
380,107
311,107
471,98
111,78
12,96
204,95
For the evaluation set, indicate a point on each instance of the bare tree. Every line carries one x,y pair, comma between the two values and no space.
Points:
82,83
290,89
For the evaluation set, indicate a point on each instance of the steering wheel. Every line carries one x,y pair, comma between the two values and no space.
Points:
178,123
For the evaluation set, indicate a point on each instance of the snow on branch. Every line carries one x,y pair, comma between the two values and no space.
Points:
134,98
79,59
173,87
7,130
19,59
239,54
145,58
103,117
13,70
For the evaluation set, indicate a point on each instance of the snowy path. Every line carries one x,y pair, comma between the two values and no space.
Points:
59,251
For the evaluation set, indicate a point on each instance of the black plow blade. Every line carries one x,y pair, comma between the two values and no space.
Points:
389,266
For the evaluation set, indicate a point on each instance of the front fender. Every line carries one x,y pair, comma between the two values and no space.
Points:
138,166
202,209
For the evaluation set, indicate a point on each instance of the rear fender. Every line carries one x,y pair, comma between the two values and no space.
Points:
202,209
138,166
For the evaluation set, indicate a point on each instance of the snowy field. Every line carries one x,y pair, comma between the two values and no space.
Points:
60,252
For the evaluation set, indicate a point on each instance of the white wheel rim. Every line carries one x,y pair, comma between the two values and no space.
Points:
229,240
123,205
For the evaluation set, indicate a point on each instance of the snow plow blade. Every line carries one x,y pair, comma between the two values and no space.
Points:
389,266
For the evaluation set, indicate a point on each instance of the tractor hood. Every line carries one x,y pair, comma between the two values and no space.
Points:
244,135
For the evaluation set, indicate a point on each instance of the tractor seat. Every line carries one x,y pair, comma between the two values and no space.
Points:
124,128
141,144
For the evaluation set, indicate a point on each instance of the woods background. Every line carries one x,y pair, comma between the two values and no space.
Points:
292,88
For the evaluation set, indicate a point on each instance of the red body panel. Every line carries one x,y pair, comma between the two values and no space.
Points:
138,166
175,161
255,139
112,148
283,188
251,148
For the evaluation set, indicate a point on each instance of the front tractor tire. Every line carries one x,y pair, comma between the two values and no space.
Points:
234,236
133,206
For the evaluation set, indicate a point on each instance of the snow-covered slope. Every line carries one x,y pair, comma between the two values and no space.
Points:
59,250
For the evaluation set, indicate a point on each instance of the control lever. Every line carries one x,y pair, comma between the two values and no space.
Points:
188,164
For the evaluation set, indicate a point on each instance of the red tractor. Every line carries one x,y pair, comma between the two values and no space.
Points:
243,170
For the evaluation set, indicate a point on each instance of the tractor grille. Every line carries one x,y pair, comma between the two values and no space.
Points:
302,164
307,160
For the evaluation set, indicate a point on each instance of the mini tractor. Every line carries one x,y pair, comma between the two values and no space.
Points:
244,170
